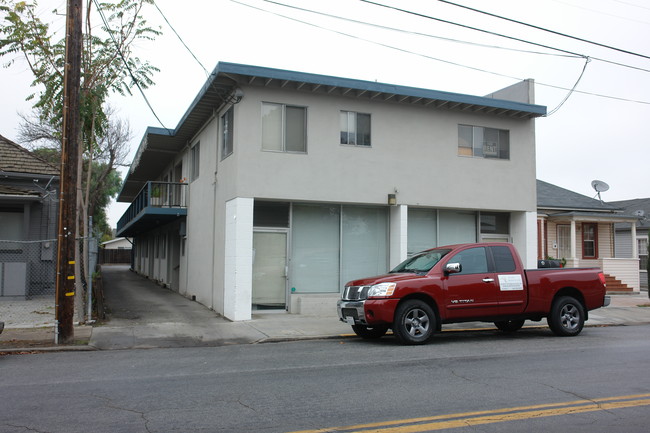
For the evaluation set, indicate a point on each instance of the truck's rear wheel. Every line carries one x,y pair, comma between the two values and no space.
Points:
369,333
567,316
509,325
414,323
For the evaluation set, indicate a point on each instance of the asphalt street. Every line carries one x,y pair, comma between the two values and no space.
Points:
530,380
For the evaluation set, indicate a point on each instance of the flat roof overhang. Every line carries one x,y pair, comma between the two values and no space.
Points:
149,218
159,146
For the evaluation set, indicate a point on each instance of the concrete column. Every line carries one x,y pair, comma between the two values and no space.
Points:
635,244
523,226
398,234
238,270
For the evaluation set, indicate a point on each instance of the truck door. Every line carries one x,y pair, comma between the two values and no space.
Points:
512,293
473,292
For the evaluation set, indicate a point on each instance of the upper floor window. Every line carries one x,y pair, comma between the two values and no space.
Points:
589,241
355,128
284,128
483,142
195,155
227,133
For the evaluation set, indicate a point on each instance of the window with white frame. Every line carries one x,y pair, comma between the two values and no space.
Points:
284,128
481,142
563,241
227,133
589,241
355,128
642,244
195,161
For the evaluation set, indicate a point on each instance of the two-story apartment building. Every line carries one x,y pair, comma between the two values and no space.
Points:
277,187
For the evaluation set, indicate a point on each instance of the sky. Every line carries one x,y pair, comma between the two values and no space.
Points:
598,131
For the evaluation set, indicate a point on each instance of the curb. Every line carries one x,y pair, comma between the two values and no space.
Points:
26,350
270,340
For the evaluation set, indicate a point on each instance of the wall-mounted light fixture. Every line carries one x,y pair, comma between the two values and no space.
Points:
238,95
392,199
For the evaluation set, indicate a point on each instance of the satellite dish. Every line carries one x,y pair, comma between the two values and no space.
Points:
639,213
599,186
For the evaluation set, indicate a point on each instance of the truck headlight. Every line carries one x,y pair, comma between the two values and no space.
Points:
382,289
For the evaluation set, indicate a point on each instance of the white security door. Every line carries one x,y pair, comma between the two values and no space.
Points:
269,270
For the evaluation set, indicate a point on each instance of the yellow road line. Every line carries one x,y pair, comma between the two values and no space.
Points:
491,416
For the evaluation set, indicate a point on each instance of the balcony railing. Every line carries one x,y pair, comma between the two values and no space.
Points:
164,200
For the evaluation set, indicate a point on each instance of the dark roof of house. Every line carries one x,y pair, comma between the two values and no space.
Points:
638,204
18,191
17,159
550,196
159,145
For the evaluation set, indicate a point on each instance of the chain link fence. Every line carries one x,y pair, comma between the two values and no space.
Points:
28,282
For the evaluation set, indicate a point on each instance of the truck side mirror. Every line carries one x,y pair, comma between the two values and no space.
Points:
453,268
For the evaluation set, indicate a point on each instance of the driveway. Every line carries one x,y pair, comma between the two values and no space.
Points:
142,314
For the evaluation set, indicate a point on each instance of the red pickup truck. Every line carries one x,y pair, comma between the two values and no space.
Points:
470,282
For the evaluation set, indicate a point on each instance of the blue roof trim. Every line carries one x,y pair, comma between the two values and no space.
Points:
327,80
281,74
154,130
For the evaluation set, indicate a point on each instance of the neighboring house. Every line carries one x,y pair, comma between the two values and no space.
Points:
638,230
277,187
580,230
118,244
28,212
116,250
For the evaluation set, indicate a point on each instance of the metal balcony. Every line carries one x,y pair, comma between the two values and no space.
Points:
157,203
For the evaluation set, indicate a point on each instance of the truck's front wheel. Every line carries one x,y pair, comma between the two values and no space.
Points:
567,316
414,323
369,333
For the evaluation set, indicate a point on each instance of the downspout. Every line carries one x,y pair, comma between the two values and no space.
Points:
214,212
214,229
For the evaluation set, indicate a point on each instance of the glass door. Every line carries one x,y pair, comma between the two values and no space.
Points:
269,270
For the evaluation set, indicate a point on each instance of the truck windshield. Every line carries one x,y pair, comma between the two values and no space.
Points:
421,263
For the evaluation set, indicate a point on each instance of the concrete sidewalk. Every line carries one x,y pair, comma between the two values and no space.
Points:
145,315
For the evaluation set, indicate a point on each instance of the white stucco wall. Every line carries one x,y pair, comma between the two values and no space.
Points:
200,218
238,272
414,149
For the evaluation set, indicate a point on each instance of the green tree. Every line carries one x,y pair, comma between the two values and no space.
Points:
105,180
108,66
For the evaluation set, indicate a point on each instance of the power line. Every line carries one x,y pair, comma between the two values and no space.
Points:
126,65
406,11
427,35
572,90
544,29
207,74
584,68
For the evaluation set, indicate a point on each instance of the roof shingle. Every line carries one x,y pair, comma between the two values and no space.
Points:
16,159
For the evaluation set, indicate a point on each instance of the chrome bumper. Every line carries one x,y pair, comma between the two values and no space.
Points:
351,312
606,301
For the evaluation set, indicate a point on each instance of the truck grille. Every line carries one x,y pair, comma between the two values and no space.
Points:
355,293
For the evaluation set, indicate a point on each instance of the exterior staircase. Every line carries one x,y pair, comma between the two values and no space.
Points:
616,287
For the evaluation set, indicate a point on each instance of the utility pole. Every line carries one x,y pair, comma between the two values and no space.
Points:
65,283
